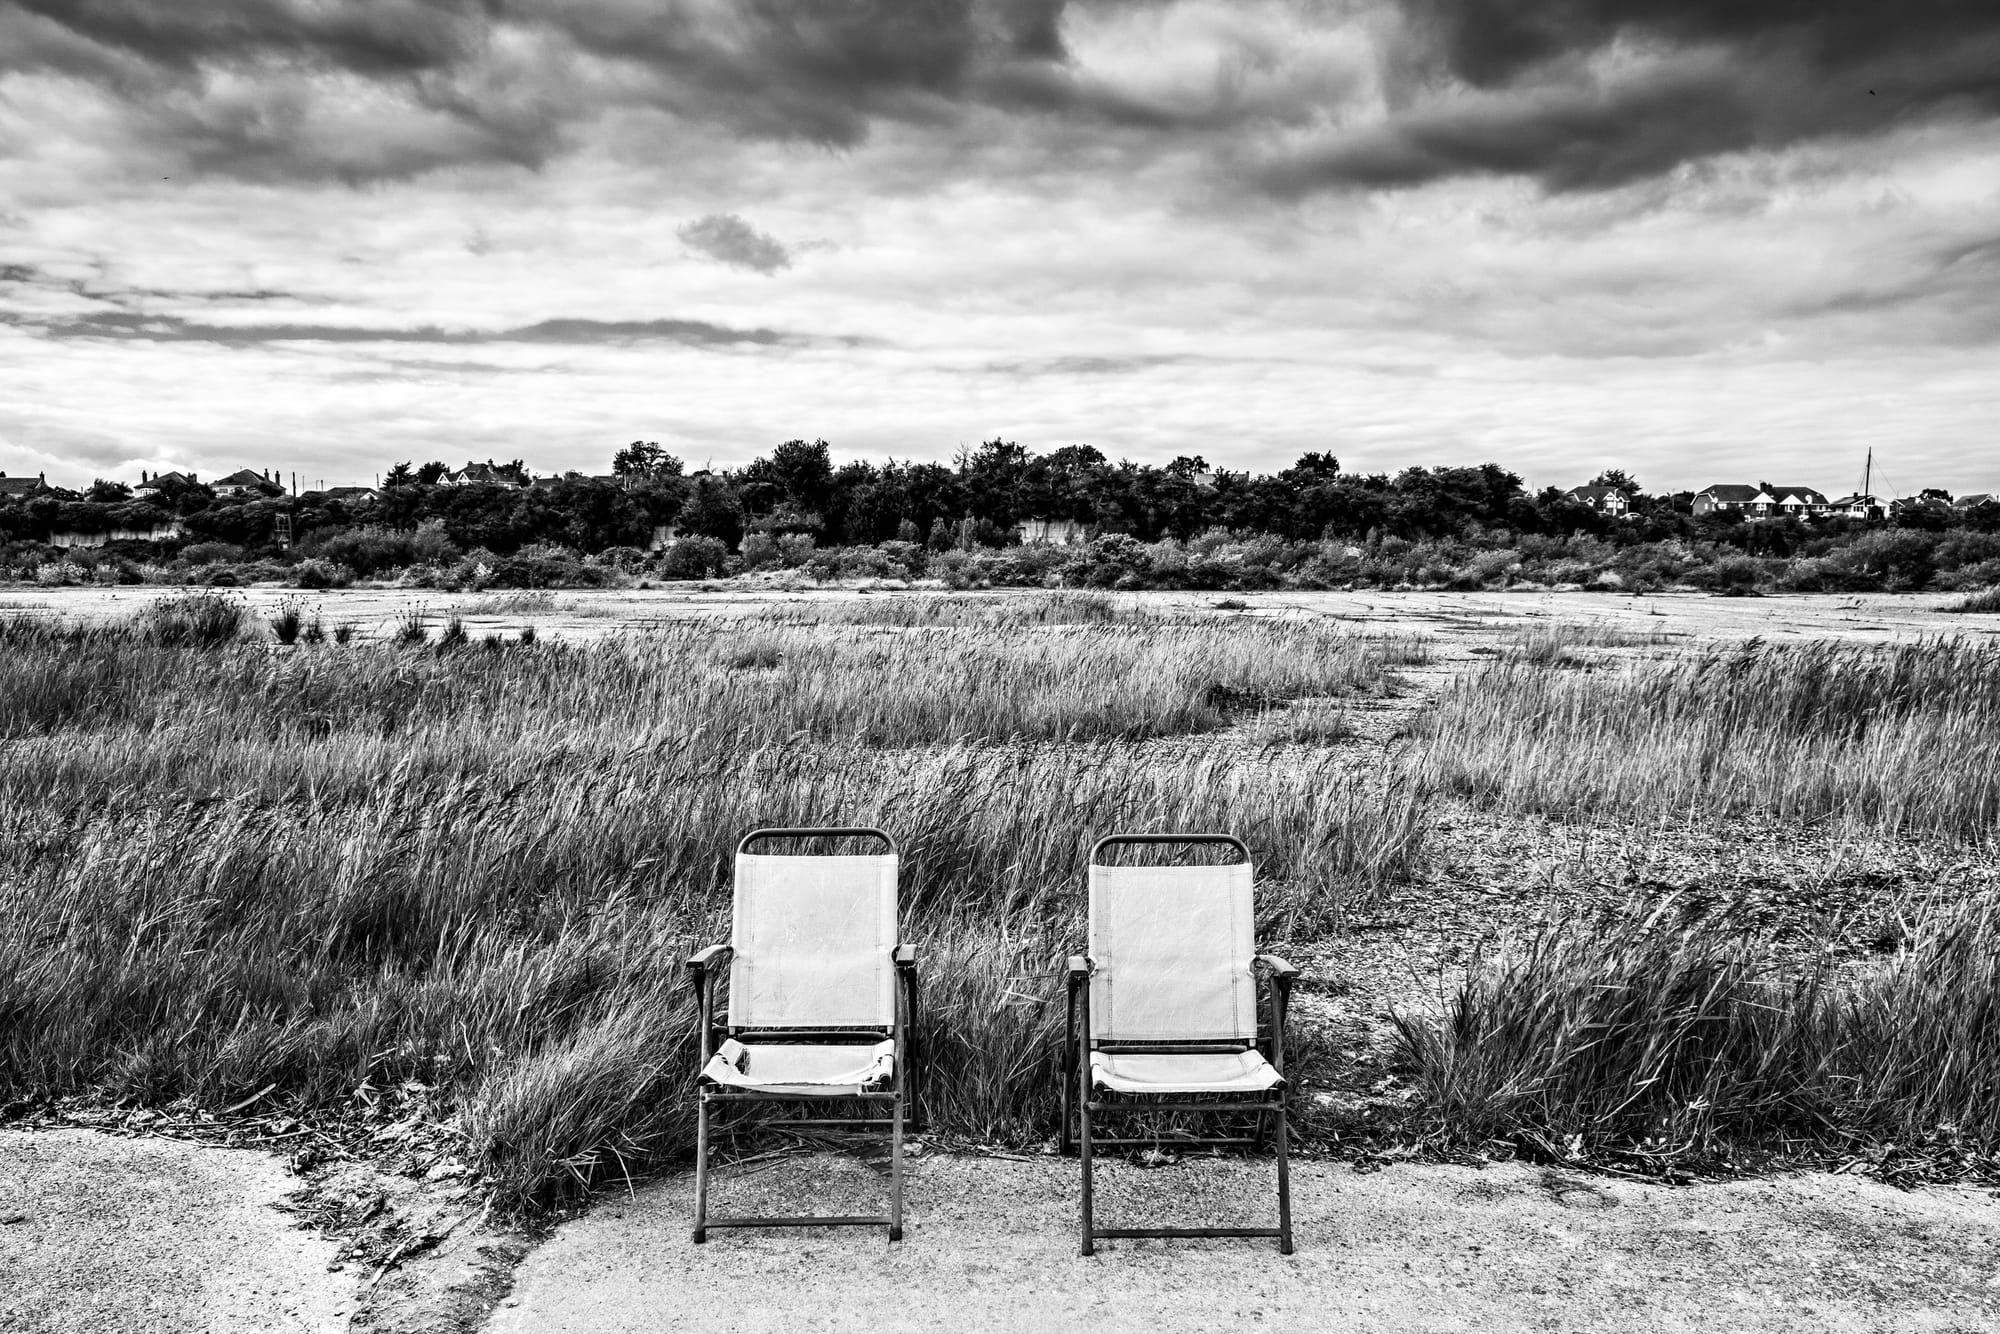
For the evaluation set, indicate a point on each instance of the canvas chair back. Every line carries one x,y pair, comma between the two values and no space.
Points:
1172,947
813,938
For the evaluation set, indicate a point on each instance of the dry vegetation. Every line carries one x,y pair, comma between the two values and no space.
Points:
337,867
473,868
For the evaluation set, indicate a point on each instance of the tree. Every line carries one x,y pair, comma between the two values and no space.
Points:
1194,465
431,473
712,510
402,474
108,493
1618,480
645,460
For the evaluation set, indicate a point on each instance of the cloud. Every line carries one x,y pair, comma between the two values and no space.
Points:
726,237
1601,93
137,327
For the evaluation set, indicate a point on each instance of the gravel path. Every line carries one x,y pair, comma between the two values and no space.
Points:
147,1236
990,1245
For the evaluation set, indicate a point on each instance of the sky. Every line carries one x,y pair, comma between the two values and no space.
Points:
1699,240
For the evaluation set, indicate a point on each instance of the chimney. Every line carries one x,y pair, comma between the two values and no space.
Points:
142,477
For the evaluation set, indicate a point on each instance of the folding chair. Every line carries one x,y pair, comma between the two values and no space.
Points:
821,998
1163,1016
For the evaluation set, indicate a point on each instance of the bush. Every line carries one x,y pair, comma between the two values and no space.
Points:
211,553
626,560
794,549
320,574
193,620
694,557
760,552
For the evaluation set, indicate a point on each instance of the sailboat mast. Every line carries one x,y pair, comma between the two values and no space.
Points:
1867,470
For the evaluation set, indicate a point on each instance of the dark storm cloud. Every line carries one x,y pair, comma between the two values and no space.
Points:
1493,87
726,237
1700,77
134,327
365,36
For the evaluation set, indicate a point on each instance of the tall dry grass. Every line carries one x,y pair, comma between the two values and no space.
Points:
1901,740
336,866
1672,1043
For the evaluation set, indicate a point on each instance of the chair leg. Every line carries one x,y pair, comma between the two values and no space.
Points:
1284,1188
1066,1137
1083,1109
896,1168
700,1170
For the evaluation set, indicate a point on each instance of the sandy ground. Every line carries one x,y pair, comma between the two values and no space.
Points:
101,1233
990,1244
583,616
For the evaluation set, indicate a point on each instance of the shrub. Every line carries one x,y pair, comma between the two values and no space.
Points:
410,630
694,557
211,553
794,549
759,552
627,560
320,574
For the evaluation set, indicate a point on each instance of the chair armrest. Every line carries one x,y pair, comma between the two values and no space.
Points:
1279,968
708,957
1080,968
905,956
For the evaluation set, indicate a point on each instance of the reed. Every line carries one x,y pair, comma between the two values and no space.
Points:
1899,741
1669,1043
332,867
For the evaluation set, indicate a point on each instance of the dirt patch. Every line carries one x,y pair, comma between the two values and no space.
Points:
991,1244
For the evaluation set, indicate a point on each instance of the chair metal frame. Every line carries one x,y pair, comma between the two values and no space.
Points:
897,1099
1081,1107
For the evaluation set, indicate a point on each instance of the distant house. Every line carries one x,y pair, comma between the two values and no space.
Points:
1729,497
484,474
161,482
20,488
1798,502
1604,499
1976,499
356,496
1856,506
246,482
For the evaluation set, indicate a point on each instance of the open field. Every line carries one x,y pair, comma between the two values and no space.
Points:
589,615
398,881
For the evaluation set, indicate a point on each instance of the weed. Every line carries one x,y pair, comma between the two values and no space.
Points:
454,635
193,620
288,621
410,630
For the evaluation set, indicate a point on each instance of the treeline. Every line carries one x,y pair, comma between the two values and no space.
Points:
796,508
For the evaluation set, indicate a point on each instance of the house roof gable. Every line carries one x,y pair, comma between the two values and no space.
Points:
1730,491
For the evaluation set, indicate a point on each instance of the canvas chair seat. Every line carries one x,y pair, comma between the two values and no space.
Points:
1183,1072
808,1069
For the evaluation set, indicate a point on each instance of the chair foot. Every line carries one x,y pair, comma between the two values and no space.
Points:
1285,1246
1089,1246
895,1234
700,1236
